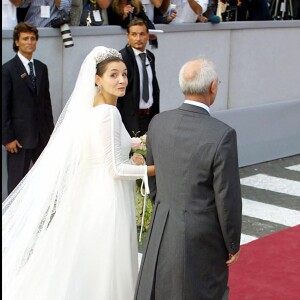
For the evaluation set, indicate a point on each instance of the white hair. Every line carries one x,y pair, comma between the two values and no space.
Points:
196,76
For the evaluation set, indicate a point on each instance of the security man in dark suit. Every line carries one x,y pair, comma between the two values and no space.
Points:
141,101
27,120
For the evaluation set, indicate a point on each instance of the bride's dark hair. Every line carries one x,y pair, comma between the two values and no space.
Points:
102,66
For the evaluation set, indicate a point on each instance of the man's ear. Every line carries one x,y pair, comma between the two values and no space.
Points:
214,87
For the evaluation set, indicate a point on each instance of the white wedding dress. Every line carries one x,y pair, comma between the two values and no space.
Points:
89,251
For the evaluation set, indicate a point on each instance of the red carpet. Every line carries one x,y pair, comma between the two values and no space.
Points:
268,268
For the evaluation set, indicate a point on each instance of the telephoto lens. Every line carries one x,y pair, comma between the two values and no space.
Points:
66,35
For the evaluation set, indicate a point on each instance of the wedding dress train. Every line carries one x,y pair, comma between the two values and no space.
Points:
89,251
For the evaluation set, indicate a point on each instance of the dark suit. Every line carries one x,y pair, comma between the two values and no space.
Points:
26,116
129,104
197,215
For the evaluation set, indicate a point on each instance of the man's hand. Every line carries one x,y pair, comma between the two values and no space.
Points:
202,19
232,258
13,146
172,16
127,10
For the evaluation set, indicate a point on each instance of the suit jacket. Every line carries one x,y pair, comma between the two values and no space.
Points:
129,104
196,219
26,114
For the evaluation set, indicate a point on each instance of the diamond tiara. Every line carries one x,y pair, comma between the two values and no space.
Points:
110,52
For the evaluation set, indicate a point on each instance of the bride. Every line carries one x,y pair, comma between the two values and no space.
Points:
68,229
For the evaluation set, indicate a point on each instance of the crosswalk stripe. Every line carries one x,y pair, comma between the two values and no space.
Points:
294,168
272,213
247,238
275,184
268,212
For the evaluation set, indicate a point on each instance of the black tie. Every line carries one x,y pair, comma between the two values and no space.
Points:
31,74
145,78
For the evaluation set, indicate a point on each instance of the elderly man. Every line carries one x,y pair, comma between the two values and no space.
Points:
196,226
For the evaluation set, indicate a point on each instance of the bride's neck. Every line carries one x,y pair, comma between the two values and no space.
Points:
104,98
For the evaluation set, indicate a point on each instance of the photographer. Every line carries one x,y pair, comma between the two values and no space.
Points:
42,12
94,13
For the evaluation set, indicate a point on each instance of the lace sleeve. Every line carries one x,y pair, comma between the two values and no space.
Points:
111,139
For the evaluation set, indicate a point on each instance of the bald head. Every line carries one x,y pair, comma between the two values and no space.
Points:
196,77
190,69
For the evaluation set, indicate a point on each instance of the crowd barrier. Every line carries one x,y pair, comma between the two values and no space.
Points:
258,65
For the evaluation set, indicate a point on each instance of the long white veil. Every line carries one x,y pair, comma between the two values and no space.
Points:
28,210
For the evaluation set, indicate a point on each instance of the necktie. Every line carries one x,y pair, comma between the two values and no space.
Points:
145,93
31,74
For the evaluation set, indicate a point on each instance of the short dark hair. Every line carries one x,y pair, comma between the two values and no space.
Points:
23,27
137,21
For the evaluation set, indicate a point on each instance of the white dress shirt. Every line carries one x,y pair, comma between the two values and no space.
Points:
184,12
143,104
202,105
25,62
9,15
149,9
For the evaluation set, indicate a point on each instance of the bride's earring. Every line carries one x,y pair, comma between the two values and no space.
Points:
99,88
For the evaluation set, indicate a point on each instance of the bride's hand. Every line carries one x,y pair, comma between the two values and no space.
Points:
138,159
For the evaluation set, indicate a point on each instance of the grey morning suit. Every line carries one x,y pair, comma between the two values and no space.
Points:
197,215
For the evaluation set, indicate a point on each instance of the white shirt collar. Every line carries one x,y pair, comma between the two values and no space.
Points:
202,105
24,60
137,52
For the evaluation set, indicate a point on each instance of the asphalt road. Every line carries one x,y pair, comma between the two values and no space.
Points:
271,197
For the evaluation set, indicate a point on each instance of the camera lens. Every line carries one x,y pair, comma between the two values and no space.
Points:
66,36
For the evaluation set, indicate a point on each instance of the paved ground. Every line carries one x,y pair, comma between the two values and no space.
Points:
271,197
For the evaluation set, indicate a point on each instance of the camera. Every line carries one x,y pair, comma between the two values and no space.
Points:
172,8
62,23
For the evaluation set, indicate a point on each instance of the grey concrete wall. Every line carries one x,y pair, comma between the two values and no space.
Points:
258,65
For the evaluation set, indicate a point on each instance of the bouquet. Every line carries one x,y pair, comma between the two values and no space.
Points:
138,156
138,149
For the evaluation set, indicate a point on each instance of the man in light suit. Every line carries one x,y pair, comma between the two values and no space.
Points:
136,111
196,222
27,120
